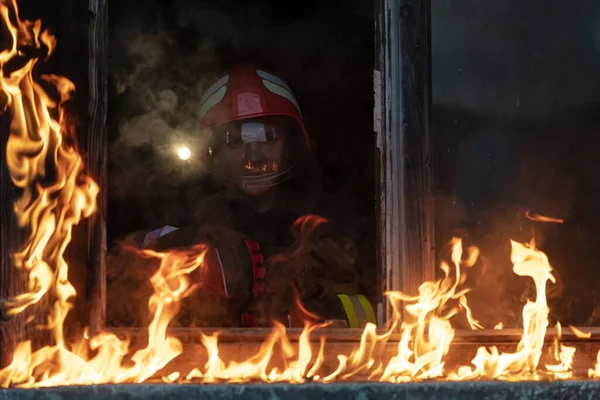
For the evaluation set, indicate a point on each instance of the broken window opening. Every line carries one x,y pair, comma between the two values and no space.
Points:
298,148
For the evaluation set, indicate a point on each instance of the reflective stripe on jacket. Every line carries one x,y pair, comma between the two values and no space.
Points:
358,310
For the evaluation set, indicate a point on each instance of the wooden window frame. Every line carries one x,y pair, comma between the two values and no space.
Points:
402,94
405,232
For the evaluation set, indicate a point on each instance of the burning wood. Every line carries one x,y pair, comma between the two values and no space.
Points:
55,200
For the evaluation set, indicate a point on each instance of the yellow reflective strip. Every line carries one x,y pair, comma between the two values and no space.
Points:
349,309
366,305
358,309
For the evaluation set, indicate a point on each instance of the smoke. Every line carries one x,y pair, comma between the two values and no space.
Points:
153,114
164,54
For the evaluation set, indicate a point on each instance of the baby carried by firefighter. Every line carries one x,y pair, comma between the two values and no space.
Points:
270,258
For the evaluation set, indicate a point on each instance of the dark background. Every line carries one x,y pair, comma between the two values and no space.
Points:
164,54
515,123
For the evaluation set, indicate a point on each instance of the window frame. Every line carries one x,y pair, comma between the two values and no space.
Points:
402,94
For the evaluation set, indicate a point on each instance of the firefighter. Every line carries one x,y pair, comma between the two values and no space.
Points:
269,258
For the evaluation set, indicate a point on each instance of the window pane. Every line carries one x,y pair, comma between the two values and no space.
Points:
516,94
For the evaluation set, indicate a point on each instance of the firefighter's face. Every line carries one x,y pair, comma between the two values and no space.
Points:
252,155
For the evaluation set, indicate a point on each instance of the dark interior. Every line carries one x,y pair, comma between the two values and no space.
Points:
164,54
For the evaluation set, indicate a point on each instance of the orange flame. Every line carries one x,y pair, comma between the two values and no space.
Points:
57,365
53,201
580,334
542,218
256,367
595,373
49,208
522,364
565,355
425,358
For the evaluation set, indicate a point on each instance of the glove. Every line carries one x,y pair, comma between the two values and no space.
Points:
317,266
324,268
128,285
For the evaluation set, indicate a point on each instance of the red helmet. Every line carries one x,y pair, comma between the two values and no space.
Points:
246,93
256,128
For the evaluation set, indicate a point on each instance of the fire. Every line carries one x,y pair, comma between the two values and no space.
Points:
256,368
59,365
44,162
523,363
431,332
543,218
565,355
52,202
595,373
580,334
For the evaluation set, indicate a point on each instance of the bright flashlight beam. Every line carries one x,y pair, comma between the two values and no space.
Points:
184,153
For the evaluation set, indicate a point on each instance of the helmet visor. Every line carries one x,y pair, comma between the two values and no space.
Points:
256,154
